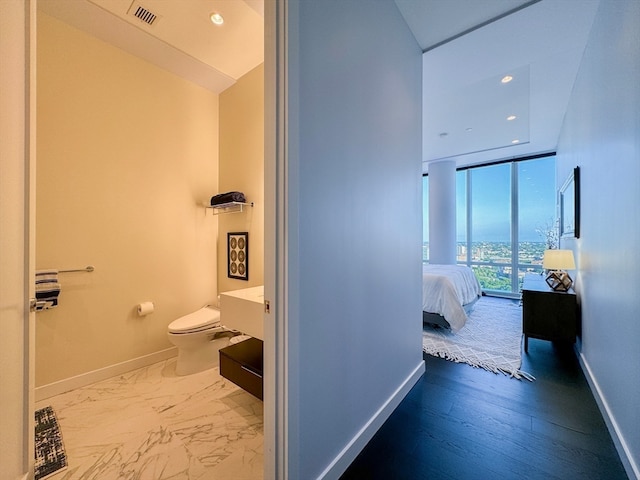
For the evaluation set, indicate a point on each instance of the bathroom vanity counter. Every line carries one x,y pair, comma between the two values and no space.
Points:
243,310
241,363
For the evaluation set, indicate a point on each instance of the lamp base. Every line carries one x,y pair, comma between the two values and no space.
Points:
559,280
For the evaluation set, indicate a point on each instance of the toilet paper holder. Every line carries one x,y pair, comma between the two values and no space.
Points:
145,308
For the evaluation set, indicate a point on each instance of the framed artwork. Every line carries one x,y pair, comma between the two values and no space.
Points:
569,201
238,255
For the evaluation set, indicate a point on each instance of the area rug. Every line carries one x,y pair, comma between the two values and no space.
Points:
491,338
50,454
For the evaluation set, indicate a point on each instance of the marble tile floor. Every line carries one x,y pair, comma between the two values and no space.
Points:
150,424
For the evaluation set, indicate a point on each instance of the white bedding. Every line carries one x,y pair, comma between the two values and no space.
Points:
445,288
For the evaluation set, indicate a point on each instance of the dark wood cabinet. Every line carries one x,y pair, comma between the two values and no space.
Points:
242,363
547,314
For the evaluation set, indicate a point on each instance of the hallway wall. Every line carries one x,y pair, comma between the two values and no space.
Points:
354,220
601,135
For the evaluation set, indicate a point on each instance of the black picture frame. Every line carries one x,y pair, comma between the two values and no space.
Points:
569,203
238,255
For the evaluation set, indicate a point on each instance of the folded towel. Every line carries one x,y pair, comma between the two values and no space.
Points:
46,276
228,197
47,289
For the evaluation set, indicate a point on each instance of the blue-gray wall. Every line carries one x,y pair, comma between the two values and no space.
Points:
356,153
601,135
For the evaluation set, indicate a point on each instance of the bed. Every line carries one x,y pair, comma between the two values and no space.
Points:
448,295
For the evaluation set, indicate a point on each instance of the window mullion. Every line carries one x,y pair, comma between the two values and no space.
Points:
469,213
514,228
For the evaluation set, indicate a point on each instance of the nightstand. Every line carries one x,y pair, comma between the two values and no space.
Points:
547,314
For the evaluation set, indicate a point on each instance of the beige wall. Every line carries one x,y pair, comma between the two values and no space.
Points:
126,153
242,168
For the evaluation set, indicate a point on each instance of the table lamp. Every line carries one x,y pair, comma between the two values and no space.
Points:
557,261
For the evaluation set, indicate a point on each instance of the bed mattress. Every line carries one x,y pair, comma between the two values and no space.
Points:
445,291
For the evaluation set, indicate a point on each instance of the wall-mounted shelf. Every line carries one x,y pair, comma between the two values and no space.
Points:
231,207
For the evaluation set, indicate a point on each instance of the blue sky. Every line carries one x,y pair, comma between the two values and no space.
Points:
491,205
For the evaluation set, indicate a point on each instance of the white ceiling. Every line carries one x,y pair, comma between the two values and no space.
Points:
465,105
469,46
436,21
182,39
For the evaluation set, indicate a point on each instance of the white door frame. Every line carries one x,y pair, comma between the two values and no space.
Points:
17,223
22,14
275,412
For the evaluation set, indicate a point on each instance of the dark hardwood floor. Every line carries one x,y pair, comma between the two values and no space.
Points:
459,422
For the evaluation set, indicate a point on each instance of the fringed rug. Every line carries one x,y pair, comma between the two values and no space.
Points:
491,338
50,455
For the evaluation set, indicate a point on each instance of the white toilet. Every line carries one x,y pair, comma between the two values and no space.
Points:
198,337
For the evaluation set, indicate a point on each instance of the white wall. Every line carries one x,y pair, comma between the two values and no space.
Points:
127,152
442,212
241,167
601,134
357,204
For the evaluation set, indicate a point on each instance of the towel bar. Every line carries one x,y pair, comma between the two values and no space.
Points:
73,270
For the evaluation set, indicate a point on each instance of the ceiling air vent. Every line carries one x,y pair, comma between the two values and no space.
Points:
143,14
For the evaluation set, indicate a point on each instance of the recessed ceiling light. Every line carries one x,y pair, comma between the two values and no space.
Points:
511,117
216,18
506,79
515,141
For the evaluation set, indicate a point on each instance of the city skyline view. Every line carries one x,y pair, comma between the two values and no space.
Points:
505,219
491,262
491,201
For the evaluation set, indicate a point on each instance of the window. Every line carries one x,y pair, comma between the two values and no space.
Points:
505,214
537,224
489,240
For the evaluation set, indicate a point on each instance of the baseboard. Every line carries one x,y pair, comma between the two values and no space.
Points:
348,454
631,467
94,376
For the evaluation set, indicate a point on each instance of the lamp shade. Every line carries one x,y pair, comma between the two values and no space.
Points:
558,260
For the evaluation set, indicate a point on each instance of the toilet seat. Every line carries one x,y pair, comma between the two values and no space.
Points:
204,319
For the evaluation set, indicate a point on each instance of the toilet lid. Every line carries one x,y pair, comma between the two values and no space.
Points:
198,320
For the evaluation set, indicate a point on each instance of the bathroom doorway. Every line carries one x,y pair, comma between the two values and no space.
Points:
101,223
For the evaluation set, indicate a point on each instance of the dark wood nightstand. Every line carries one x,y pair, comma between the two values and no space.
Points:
547,314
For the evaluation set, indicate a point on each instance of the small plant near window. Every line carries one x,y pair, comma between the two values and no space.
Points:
550,231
